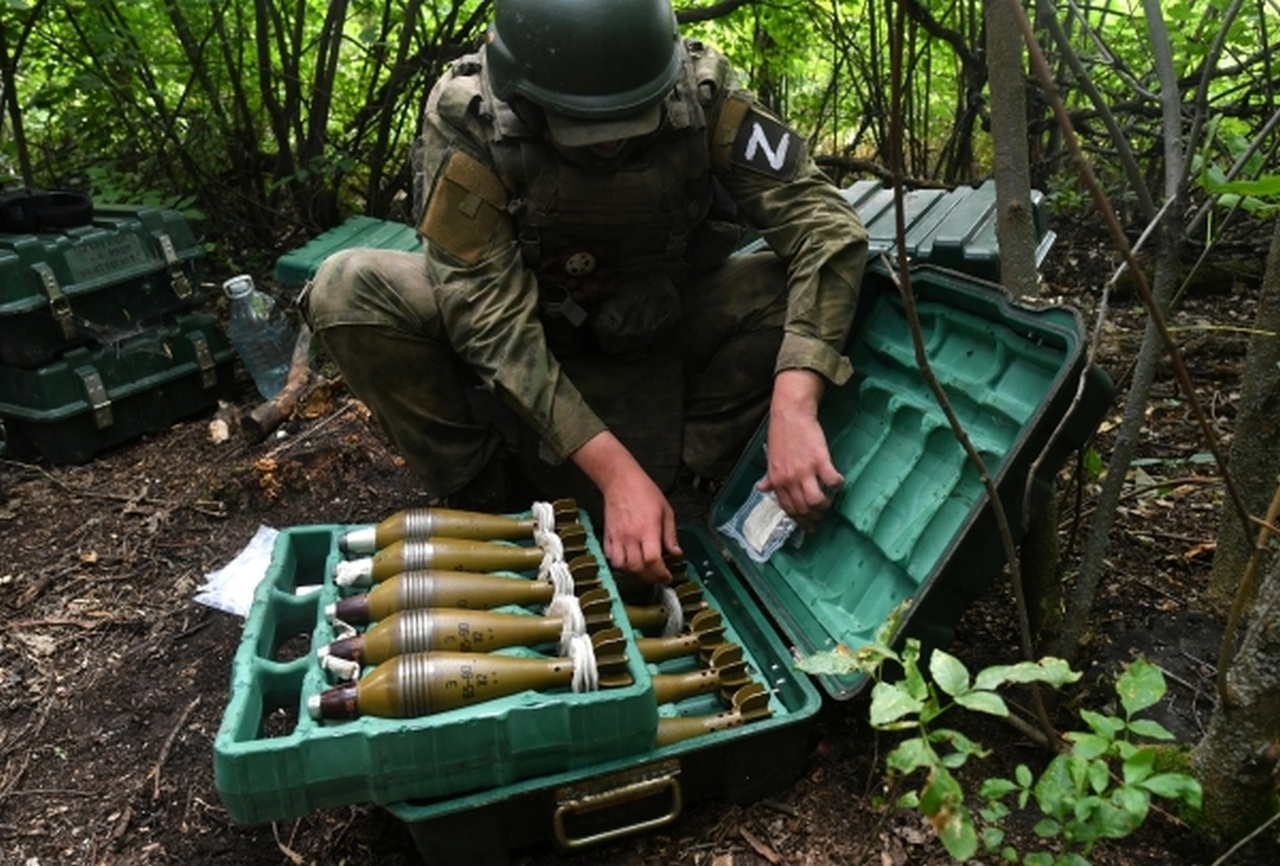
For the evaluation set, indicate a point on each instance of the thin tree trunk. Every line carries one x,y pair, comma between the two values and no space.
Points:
1237,756
1016,235
1168,242
1255,451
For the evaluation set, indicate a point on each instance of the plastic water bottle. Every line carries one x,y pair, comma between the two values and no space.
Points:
260,333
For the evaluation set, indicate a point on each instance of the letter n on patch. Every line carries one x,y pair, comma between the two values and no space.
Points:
766,146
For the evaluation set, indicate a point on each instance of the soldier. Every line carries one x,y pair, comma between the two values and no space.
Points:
582,184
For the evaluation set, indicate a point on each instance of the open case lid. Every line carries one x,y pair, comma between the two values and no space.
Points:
912,520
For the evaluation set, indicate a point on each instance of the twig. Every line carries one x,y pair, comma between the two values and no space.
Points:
293,855
1261,828
34,591
168,745
7,788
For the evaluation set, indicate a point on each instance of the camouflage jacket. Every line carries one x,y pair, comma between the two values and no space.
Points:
515,227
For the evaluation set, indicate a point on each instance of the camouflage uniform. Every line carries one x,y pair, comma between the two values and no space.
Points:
540,259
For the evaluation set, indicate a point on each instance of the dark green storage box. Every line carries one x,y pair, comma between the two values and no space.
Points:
953,228
93,398
95,284
294,268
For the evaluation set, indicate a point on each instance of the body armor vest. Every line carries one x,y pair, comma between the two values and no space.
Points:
635,218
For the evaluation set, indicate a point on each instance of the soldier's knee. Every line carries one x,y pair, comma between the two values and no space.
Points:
334,289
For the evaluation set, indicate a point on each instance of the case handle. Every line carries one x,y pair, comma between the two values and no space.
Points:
622,790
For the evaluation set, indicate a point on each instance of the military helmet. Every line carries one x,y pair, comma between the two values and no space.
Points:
586,60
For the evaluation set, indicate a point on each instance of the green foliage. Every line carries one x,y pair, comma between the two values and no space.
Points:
1225,146
1100,789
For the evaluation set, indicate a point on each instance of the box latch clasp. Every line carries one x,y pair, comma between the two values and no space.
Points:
59,306
99,402
618,804
204,360
177,276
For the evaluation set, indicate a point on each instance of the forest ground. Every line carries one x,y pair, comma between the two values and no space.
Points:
113,680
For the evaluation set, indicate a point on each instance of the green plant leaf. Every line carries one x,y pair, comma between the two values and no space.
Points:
1126,815
942,801
992,838
1087,746
888,629
949,673
1139,687
890,702
994,812
1175,786
837,662
1139,765
959,742
1050,670
1055,789
1023,775
911,754
1099,776
996,788
913,680
1108,727
983,702
1268,185
1047,828
1151,729
1070,858
1039,858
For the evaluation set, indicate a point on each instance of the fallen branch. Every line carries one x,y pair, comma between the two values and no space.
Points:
259,423
154,775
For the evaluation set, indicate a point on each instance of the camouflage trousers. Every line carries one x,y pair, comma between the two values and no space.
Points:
375,314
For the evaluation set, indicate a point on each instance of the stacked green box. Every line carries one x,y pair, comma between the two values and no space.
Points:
272,761
95,284
92,398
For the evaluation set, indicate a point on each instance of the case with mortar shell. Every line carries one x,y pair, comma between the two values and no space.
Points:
92,398
273,760
96,284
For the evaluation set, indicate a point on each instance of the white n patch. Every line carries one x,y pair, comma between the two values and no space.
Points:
775,156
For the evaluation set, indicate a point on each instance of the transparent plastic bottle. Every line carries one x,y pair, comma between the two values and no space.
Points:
260,333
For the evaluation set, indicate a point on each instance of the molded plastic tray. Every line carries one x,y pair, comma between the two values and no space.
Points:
272,761
912,520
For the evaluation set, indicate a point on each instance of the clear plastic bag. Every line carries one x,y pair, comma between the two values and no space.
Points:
761,527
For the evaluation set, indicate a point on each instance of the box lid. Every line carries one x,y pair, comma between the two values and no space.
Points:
912,520
953,228
297,266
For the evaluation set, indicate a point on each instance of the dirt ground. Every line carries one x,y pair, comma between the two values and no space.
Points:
113,680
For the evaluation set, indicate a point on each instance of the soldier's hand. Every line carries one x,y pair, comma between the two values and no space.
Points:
800,471
639,523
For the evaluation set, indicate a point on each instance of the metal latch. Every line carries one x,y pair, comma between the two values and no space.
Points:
204,360
177,276
624,792
97,394
59,306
